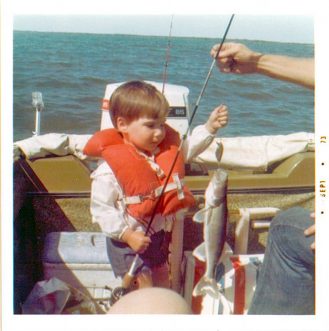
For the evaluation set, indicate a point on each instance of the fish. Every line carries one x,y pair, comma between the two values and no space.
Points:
214,218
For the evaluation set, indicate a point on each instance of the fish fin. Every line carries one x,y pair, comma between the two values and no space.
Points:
207,286
200,252
219,151
198,217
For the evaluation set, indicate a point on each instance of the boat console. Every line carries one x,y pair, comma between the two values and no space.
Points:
176,95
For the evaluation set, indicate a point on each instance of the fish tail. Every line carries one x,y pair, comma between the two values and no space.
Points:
205,286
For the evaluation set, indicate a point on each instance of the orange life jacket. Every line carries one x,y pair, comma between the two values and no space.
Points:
141,184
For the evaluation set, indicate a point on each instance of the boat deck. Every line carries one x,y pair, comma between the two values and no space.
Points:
48,202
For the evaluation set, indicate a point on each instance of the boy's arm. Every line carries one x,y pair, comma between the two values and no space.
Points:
199,140
110,218
203,135
104,211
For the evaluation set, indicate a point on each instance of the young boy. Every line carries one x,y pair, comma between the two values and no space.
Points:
138,154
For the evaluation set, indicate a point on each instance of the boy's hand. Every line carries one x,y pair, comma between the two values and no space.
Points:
136,240
217,119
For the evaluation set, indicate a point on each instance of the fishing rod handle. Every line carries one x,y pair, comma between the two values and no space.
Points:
129,276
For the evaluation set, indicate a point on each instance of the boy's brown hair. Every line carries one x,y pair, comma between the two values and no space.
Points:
136,99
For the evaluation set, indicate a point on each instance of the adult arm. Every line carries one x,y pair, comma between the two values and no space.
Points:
239,59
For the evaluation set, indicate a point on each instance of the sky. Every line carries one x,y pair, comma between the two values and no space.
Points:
284,28
280,20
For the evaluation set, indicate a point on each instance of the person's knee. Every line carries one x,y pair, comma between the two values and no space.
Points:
296,217
286,234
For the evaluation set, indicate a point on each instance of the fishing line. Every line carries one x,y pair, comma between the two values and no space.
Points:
130,274
164,76
209,74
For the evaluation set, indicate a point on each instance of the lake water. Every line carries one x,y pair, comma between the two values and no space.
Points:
72,69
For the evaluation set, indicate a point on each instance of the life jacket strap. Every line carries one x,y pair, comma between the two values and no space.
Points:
177,181
177,184
160,173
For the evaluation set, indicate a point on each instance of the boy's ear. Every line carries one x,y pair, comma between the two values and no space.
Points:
122,124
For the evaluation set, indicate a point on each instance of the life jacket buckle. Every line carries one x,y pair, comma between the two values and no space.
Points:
151,196
180,191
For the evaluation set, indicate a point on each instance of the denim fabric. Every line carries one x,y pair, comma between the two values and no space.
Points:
286,281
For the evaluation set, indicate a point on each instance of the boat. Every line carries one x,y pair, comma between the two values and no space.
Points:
52,196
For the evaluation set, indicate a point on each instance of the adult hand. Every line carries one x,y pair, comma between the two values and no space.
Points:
311,231
236,58
239,59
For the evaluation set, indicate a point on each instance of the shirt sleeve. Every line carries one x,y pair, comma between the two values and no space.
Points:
104,206
197,142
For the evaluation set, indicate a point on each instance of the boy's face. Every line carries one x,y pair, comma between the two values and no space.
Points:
144,133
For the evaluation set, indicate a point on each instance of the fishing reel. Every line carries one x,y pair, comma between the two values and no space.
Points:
117,294
129,284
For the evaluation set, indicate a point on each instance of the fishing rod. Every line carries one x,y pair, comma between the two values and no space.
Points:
164,77
128,277
189,125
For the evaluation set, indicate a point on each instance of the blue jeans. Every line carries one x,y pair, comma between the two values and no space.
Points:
286,279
